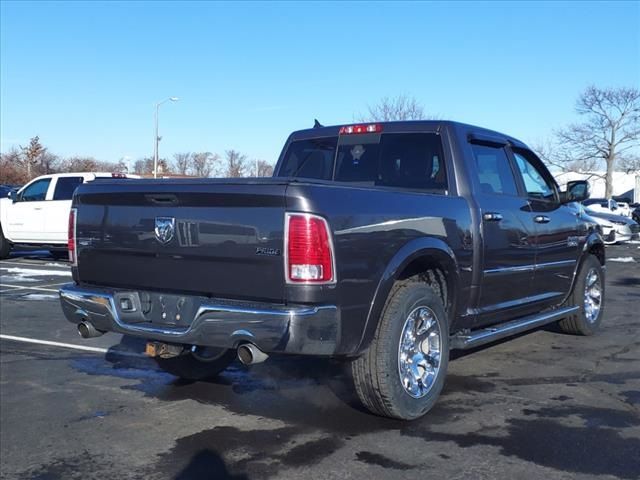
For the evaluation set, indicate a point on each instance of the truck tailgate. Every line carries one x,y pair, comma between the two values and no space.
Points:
213,237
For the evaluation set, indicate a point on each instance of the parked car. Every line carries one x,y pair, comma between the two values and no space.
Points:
384,245
5,190
626,228
603,205
624,209
606,229
36,215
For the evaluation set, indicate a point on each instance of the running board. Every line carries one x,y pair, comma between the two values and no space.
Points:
483,336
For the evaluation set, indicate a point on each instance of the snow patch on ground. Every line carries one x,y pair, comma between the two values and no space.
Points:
40,296
32,272
63,265
622,259
17,274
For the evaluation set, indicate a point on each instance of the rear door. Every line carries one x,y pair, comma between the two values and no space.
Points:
57,209
507,236
559,235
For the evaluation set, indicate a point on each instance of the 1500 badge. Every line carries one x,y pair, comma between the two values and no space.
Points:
274,252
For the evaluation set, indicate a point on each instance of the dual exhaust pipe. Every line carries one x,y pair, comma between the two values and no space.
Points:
87,330
248,353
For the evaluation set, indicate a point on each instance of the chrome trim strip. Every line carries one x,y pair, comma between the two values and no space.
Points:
528,268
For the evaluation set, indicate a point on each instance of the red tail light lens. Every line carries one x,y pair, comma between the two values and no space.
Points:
71,237
309,249
356,129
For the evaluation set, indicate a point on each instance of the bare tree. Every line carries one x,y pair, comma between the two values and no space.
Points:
609,134
264,169
31,154
144,166
203,163
401,107
235,164
182,162
12,171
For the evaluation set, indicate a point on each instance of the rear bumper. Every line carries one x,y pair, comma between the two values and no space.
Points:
300,329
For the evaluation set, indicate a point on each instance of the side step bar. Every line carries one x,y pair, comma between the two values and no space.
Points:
483,336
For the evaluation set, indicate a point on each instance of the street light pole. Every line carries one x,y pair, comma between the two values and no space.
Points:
157,137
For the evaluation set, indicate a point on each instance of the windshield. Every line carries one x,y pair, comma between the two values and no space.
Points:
404,160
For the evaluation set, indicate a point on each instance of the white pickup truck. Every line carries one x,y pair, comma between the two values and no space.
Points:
37,215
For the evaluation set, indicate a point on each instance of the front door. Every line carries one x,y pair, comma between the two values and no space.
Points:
558,238
26,216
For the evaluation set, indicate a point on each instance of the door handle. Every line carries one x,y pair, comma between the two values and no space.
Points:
492,217
37,208
541,219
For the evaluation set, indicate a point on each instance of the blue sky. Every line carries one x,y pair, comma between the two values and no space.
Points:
85,76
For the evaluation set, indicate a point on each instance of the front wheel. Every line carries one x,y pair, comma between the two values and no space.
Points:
588,294
402,372
5,246
202,364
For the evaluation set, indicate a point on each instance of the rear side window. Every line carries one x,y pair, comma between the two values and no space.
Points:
494,172
65,186
36,192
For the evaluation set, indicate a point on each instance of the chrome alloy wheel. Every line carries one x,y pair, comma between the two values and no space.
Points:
419,352
592,296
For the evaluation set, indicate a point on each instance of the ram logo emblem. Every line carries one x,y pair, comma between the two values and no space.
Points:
165,229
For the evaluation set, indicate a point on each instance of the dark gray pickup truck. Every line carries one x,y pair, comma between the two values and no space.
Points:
386,245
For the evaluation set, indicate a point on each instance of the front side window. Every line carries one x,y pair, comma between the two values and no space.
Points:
494,172
36,192
65,186
536,185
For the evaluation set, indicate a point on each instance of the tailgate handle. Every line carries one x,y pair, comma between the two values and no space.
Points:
162,199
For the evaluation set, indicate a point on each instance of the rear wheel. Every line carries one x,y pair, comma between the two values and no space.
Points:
402,372
5,245
588,294
59,254
202,364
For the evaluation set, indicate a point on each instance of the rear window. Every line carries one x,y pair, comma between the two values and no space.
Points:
65,186
401,160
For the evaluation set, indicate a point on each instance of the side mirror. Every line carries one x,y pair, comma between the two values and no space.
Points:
577,191
12,195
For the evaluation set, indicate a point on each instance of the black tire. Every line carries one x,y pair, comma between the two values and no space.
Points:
376,373
60,254
582,323
5,246
190,367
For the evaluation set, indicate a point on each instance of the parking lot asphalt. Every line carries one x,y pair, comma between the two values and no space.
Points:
543,405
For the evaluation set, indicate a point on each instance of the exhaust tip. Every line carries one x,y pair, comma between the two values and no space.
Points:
244,355
249,354
87,330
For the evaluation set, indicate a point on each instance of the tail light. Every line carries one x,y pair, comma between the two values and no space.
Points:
356,129
71,238
309,256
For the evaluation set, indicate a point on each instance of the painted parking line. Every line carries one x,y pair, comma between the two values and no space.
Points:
54,344
48,264
23,287
72,346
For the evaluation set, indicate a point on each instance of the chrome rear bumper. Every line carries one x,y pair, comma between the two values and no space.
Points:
311,330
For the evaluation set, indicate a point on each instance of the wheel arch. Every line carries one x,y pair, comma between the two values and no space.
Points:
419,255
